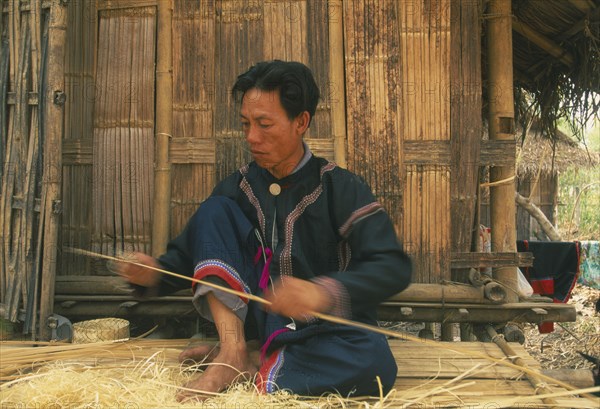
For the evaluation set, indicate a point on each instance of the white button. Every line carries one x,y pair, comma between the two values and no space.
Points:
275,189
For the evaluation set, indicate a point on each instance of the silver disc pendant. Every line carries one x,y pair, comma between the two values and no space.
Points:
275,189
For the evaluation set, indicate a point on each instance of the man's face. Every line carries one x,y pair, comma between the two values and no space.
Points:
274,140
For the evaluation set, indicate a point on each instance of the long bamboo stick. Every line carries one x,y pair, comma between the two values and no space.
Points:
338,320
164,128
336,74
533,380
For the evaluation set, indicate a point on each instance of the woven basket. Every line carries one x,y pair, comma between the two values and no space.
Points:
104,329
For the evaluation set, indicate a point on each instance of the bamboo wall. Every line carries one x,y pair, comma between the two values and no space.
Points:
411,96
397,67
32,101
24,33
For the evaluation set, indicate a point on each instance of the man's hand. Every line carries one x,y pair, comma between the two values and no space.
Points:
296,298
136,274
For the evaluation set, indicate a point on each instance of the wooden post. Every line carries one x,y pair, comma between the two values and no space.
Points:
336,91
501,127
53,106
164,129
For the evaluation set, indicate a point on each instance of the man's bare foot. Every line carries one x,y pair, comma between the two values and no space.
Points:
227,368
206,353
199,354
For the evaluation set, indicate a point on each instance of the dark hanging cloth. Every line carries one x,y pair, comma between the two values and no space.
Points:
554,272
555,267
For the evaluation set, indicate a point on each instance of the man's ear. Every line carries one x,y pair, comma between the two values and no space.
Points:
302,122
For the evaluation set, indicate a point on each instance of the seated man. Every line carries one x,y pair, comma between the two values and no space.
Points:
301,232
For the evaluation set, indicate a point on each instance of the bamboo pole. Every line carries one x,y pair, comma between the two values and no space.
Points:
501,127
164,129
53,106
337,91
535,381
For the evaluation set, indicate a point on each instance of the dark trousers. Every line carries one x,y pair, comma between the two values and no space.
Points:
308,359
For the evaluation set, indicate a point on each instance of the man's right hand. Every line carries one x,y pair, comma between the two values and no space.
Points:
135,273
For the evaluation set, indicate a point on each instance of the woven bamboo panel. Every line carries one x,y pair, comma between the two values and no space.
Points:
124,130
374,116
194,91
397,95
76,228
233,35
425,104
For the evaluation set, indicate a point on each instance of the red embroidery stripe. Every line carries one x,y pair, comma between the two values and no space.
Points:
262,378
223,274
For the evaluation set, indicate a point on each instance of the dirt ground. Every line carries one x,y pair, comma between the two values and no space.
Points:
558,349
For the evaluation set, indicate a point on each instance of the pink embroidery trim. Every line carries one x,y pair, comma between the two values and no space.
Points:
264,277
263,349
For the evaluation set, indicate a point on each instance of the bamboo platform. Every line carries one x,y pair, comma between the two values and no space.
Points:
433,375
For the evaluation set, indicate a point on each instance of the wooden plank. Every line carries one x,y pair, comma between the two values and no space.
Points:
440,292
124,4
438,152
495,259
433,152
86,284
192,150
478,313
77,152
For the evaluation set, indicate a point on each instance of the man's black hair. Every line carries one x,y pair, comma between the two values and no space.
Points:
298,90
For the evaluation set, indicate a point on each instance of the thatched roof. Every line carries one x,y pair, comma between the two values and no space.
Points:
537,153
556,49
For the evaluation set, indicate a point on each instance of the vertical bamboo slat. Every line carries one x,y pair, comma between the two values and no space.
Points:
5,69
337,90
51,179
26,259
